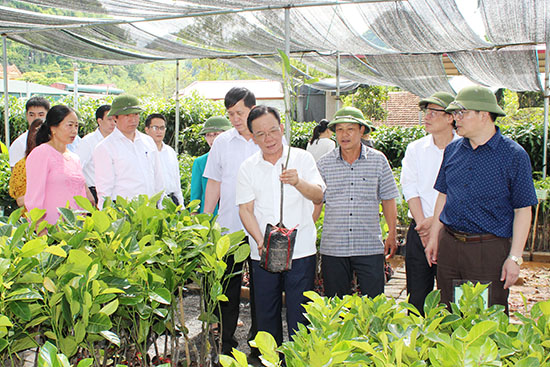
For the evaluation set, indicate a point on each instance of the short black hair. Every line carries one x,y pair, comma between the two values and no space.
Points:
37,102
100,112
259,111
236,94
154,116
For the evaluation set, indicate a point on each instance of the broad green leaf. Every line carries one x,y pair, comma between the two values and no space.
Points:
86,362
21,310
36,214
4,265
4,321
84,203
111,337
68,345
111,290
47,355
56,250
24,294
161,295
99,322
240,357
110,308
49,285
222,246
481,329
242,253
3,344
33,247
30,278
101,221
79,331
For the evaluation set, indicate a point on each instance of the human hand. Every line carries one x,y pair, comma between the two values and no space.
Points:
424,226
510,273
290,176
390,246
431,251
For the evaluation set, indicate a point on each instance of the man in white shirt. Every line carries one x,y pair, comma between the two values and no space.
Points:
126,162
229,150
155,127
105,126
35,108
258,196
420,167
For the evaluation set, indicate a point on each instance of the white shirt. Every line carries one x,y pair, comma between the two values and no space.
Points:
171,172
229,150
420,167
258,180
17,148
127,168
85,151
320,147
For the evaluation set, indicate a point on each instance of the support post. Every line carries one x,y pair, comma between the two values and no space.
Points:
337,80
177,125
6,91
75,83
546,103
285,87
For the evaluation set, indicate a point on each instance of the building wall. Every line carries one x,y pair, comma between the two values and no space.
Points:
402,110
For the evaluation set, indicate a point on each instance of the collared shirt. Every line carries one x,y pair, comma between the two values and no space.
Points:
229,150
17,148
320,147
352,199
485,185
198,182
85,151
258,180
171,172
419,170
127,168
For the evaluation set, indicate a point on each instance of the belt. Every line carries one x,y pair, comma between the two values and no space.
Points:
470,237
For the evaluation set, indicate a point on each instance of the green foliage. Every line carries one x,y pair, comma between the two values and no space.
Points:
107,280
362,331
393,141
7,203
370,100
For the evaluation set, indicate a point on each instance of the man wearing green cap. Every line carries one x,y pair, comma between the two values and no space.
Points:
213,127
358,179
419,170
126,162
484,203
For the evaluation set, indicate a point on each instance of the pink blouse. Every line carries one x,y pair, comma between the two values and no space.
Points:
52,180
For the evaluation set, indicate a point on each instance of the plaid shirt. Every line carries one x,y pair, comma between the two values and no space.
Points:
352,198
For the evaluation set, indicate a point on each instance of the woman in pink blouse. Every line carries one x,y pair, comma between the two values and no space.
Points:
54,174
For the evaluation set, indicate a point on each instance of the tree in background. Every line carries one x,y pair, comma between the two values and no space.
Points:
370,100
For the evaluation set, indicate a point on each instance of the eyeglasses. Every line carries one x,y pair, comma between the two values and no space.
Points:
430,111
260,135
459,114
158,128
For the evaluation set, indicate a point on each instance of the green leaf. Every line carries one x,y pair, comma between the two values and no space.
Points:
68,346
111,337
79,331
84,203
110,308
56,250
101,221
161,295
4,321
30,278
99,322
21,310
47,356
36,214
481,329
242,253
222,246
49,285
33,247
3,344
86,362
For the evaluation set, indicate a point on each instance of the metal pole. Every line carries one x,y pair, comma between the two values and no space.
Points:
6,92
75,95
285,89
546,102
177,127
337,80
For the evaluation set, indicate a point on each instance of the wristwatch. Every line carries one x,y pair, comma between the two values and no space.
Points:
517,260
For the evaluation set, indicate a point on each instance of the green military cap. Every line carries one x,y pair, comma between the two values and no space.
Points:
476,98
214,124
350,115
125,104
442,99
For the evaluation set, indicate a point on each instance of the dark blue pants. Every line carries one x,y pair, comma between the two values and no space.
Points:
420,275
338,274
268,292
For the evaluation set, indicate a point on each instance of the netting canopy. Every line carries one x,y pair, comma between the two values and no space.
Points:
399,43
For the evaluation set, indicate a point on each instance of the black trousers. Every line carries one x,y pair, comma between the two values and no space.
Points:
420,276
230,309
338,273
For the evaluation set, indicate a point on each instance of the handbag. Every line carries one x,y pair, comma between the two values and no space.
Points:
279,241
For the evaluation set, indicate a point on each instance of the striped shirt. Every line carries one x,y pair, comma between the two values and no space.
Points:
352,199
